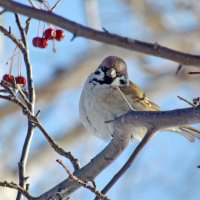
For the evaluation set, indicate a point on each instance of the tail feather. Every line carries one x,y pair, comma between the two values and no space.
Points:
188,132
191,131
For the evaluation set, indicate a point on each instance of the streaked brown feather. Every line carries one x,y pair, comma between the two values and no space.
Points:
136,96
139,101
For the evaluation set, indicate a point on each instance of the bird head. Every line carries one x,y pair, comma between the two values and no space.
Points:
112,71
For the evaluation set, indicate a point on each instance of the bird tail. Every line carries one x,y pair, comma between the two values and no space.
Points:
187,131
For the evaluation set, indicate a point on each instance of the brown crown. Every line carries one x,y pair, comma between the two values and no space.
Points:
115,62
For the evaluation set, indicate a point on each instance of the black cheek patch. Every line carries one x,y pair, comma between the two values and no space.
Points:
97,72
107,81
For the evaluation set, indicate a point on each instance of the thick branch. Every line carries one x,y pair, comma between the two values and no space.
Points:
106,37
31,106
125,167
161,119
89,172
150,120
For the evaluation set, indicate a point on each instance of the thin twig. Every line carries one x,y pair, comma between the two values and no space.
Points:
9,87
12,37
102,36
30,108
28,22
21,29
133,156
185,100
34,6
34,121
13,98
17,187
38,113
56,147
83,183
24,97
180,66
56,4
73,37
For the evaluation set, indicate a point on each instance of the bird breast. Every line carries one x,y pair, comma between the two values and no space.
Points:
99,104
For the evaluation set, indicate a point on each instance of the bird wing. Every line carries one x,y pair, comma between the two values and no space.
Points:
137,98
140,102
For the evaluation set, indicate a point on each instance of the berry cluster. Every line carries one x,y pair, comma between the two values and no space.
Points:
48,34
20,80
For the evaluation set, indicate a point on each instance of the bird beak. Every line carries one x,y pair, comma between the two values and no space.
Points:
111,73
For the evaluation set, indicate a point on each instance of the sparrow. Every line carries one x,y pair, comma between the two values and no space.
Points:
108,93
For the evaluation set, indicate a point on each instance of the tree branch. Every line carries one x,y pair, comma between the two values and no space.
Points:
12,37
33,121
149,119
83,183
89,172
103,36
31,106
133,156
17,187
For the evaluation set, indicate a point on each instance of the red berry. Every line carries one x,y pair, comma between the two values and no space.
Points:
40,42
36,41
60,35
20,80
9,78
49,34
43,43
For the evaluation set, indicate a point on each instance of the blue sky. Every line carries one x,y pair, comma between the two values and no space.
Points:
166,169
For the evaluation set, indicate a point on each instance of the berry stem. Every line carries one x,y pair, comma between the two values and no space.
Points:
43,26
46,5
19,64
38,28
54,46
11,61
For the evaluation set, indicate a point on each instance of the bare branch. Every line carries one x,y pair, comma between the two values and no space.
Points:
102,36
17,187
33,121
180,66
28,22
56,4
126,166
21,29
82,183
12,37
152,120
28,109
185,100
31,2
55,146
88,172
